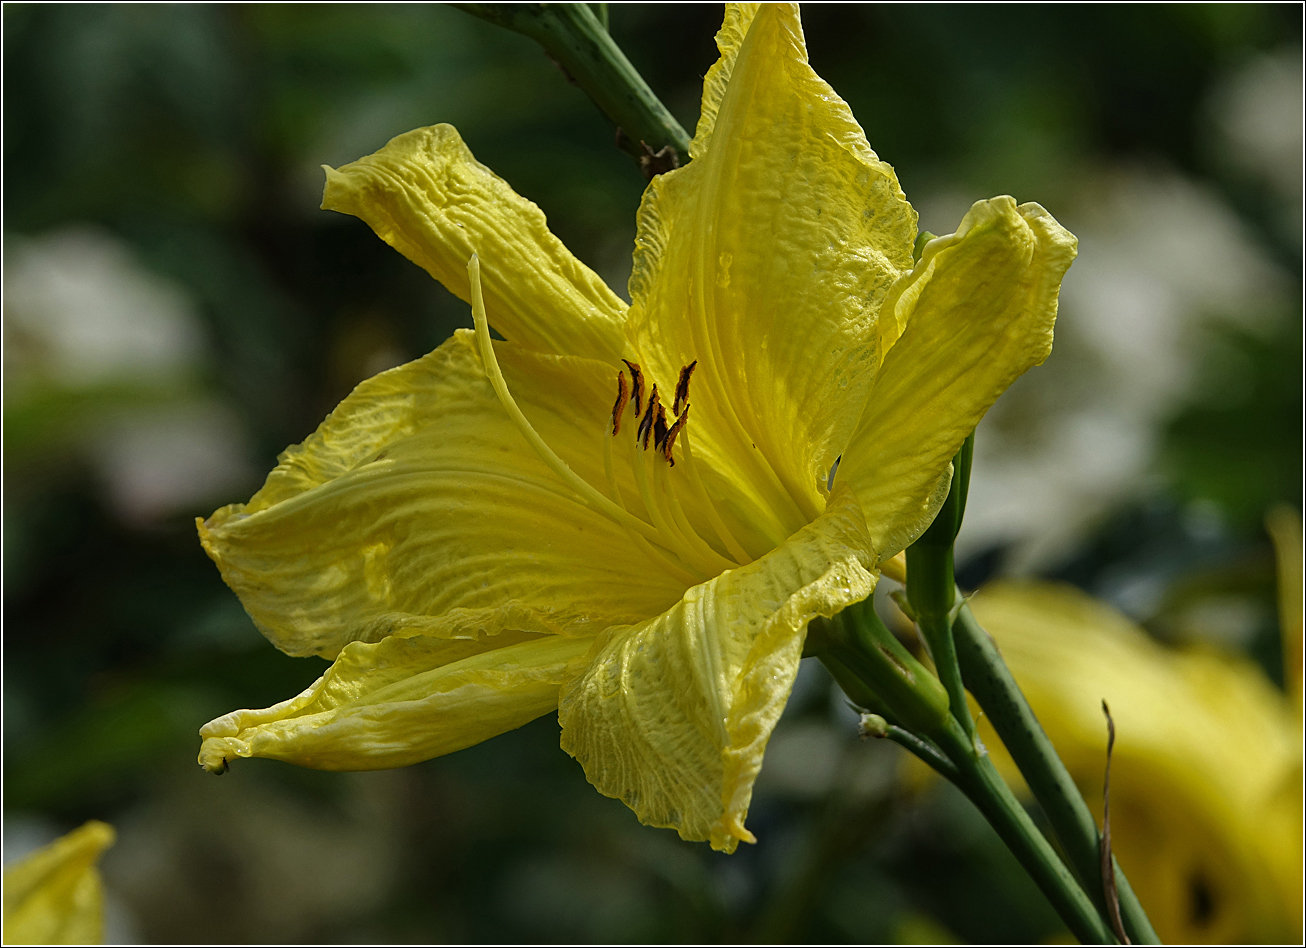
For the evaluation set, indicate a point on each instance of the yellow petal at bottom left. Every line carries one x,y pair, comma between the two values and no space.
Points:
55,896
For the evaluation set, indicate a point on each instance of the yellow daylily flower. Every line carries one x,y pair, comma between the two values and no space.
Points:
482,536
1284,527
1206,777
55,896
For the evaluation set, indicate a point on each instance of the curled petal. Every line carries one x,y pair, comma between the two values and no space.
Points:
734,27
672,715
975,313
426,195
402,700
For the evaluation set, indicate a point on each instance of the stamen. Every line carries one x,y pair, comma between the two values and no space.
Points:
660,428
646,423
713,516
556,464
659,516
708,556
682,387
671,435
619,407
652,551
637,383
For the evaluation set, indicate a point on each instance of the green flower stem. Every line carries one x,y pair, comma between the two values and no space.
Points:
932,589
578,41
936,627
924,750
863,649
912,708
982,783
998,694
852,686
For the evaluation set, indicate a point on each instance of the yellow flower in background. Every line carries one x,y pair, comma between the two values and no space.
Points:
1206,778
626,513
54,896
1283,524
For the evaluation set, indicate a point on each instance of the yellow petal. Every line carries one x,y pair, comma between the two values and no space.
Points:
766,259
1284,526
54,896
977,311
672,716
426,195
1206,775
403,700
734,27
417,507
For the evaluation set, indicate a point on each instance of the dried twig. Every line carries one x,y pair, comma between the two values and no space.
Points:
1108,861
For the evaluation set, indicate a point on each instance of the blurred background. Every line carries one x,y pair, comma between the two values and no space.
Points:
177,310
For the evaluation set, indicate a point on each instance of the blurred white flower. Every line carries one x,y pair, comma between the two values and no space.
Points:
80,310
1162,261
163,460
1257,113
112,351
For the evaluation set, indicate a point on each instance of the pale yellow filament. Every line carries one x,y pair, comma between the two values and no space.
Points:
713,517
661,471
648,549
639,460
691,544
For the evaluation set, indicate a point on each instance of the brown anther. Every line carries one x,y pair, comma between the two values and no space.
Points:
660,428
637,384
645,429
619,406
682,387
671,435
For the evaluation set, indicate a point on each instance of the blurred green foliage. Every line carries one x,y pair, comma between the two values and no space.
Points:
194,134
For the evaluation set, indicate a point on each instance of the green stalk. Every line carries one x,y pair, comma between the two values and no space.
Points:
995,689
874,669
923,749
982,783
859,647
932,589
575,37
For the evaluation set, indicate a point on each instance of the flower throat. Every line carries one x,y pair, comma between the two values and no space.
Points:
664,533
